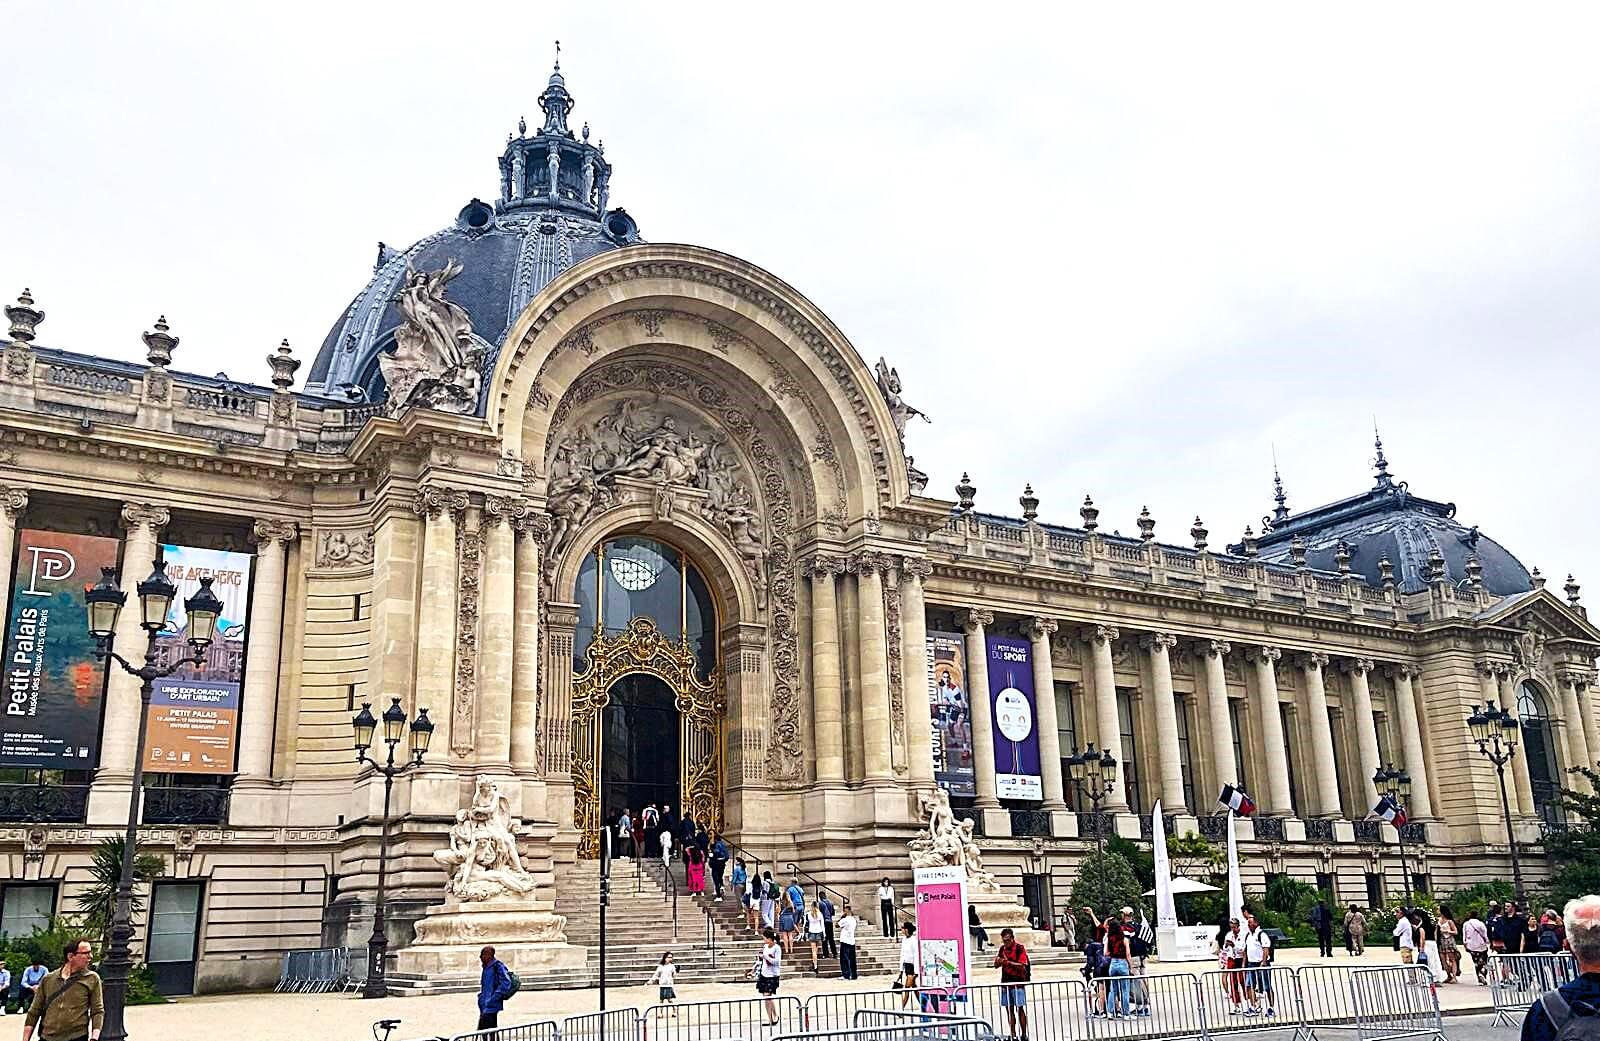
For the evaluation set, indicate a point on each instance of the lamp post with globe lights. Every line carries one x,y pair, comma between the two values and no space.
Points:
1094,775
1496,731
104,602
394,729
1396,784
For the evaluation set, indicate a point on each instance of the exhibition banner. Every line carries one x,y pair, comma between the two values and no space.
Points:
194,715
942,951
1016,737
55,686
950,714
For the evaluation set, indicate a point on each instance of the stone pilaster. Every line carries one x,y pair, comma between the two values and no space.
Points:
1278,800
1213,653
555,710
914,670
264,649
441,510
1158,648
827,718
498,619
1324,769
526,757
1100,638
876,717
1573,717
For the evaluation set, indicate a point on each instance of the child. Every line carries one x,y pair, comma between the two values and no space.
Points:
665,973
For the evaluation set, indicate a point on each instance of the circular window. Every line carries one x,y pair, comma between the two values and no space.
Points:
633,575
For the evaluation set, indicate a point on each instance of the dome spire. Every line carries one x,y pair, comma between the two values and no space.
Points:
1280,512
555,100
1382,464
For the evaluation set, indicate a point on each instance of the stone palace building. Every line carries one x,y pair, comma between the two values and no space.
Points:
635,523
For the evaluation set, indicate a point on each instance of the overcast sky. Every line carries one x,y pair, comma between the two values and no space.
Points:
1116,252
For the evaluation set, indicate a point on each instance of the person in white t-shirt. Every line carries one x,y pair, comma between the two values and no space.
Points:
1405,933
908,961
666,846
886,908
767,970
846,926
1258,974
664,977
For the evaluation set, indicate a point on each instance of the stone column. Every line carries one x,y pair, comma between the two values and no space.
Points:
12,502
877,722
1578,752
264,648
1159,648
1416,764
436,613
1100,638
1044,695
978,702
1366,726
1519,762
1324,770
1212,652
555,710
1278,801
498,620
531,530
827,714
121,731
1591,716
914,670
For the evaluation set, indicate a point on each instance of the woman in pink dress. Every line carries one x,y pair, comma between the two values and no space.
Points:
696,870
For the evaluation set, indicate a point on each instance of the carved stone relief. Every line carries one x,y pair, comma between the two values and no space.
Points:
343,549
469,551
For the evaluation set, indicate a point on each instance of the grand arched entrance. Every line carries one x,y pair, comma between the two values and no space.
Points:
647,702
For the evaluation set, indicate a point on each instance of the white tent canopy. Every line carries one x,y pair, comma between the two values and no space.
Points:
1187,885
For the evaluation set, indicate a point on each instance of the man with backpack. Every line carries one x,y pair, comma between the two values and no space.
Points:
497,984
1572,1012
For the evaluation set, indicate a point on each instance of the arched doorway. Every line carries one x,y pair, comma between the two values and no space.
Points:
647,701
1538,746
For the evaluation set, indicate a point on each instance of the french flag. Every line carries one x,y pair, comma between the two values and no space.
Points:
1390,811
1236,800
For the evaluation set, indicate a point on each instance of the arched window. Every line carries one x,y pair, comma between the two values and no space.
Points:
1538,747
634,577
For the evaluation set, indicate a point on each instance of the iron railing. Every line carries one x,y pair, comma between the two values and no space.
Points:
44,803
163,805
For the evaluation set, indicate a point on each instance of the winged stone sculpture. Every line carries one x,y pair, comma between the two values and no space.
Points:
437,360
889,387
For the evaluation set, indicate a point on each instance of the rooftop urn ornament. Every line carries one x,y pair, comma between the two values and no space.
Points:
522,126
159,344
1571,589
965,494
1474,572
1090,514
1436,570
1341,557
284,365
1538,579
24,317
1252,545
1386,573
1029,503
1199,533
1147,524
1297,551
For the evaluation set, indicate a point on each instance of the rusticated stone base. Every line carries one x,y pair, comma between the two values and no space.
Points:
526,934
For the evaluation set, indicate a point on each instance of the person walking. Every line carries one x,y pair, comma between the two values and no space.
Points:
830,949
1554,1013
788,920
68,1004
32,976
1258,970
641,849
1449,953
847,944
740,878
767,971
908,962
1015,972
1230,957
1514,929
650,817
694,870
494,987
814,933
625,835
886,907
718,859
1322,922
664,977
666,851
769,900
1355,925
1475,938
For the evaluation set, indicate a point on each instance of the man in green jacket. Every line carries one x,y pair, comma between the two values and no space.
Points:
68,1004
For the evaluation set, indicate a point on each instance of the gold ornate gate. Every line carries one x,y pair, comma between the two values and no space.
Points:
641,648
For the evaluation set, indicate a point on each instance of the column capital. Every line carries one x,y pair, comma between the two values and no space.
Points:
1041,628
821,564
1401,671
531,524
1263,653
1093,634
12,501
503,509
1213,648
145,515
1575,675
1356,666
1153,642
865,562
916,567
268,531
976,618
1312,661
433,500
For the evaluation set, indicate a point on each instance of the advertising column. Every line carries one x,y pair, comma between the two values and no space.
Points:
1016,738
942,952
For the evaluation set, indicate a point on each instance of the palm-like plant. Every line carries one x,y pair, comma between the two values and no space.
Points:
98,901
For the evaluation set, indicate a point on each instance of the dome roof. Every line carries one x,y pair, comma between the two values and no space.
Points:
1389,523
554,187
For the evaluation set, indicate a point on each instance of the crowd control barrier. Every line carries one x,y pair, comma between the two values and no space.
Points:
720,1020
1517,980
618,1024
321,969
545,1030
1167,1004
1395,1002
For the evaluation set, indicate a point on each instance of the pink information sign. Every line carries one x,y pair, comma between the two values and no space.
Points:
942,953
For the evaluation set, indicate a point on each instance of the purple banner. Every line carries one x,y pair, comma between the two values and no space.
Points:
1016,731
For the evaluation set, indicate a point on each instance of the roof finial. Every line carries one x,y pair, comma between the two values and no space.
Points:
558,55
1382,464
1280,513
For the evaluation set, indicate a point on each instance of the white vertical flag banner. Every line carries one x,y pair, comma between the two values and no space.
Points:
1166,910
1235,887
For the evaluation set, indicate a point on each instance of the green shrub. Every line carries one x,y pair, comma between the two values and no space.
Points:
1475,900
142,987
1106,883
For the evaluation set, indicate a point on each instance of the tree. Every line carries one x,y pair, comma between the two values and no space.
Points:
98,902
1192,855
1105,882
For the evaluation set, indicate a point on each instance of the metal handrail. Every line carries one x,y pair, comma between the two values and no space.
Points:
900,913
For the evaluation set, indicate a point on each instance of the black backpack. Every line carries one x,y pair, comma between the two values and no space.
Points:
1572,1022
1548,940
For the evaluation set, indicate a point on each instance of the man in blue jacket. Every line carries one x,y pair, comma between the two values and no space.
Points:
1579,998
493,991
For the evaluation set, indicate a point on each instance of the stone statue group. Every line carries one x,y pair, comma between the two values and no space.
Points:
482,857
948,842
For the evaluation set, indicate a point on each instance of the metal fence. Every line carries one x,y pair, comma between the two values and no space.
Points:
546,1030
618,1024
720,1020
321,969
1395,1002
1168,1005
886,1025
1517,980
1253,1000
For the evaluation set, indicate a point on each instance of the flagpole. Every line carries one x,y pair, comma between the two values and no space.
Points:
1235,887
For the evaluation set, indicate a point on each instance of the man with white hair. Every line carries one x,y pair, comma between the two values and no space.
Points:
1550,1016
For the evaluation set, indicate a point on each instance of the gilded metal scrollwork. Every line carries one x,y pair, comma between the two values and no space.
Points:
642,648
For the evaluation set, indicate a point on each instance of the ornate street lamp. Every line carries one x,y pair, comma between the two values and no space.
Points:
1094,774
1396,784
1496,731
104,602
394,730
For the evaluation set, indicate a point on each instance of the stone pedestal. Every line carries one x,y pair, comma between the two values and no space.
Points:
526,934
998,911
